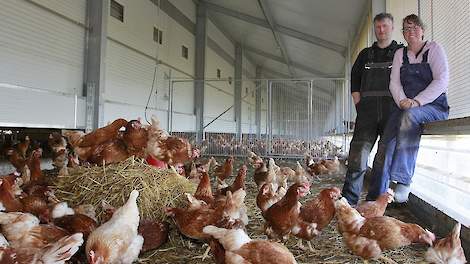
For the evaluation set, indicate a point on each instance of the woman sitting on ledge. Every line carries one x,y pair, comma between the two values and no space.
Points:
418,84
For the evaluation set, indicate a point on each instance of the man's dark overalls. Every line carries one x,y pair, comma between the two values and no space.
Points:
372,114
398,149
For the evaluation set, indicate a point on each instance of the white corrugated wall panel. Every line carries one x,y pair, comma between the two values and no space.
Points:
73,9
187,7
442,20
25,107
137,29
216,101
220,125
214,62
128,75
214,33
400,9
248,106
41,51
115,110
248,118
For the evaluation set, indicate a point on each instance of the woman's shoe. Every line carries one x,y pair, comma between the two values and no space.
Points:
402,191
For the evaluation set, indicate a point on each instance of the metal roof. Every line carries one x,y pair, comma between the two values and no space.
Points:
295,38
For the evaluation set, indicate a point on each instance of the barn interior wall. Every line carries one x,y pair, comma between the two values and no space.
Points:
131,59
42,60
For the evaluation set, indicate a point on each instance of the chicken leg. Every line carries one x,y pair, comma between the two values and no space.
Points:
310,246
301,246
205,255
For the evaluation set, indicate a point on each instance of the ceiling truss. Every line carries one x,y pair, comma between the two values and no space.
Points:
278,28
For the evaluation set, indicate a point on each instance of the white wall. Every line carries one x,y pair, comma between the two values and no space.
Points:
218,36
73,9
129,73
187,7
131,63
41,60
400,9
54,62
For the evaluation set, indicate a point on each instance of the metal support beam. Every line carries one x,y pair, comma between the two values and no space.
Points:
294,64
312,39
94,79
258,102
238,89
272,74
269,17
284,30
200,69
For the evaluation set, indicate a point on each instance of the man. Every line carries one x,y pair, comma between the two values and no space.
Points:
370,78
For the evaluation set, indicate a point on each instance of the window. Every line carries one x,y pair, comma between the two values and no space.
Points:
157,35
184,52
252,94
246,90
117,10
218,73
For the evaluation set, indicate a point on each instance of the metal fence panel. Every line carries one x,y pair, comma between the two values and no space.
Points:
279,117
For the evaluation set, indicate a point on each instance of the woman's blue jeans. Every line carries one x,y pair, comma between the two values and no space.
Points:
399,148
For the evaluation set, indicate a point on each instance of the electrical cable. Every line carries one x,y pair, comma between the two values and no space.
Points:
154,69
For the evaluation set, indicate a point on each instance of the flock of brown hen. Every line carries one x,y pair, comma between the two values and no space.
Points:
38,228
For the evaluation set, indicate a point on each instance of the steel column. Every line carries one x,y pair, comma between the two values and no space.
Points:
238,90
258,102
200,70
95,55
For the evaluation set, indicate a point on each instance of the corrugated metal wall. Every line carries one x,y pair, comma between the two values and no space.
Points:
41,60
447,24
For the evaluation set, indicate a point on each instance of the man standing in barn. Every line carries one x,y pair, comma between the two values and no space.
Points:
370,78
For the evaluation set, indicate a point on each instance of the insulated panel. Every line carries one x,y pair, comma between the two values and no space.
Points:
39,49
440,19
42,55
26,107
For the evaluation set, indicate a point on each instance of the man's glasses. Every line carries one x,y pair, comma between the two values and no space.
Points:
409,29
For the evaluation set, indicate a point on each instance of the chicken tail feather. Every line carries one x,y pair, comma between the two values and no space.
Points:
362,246
62,250
216,232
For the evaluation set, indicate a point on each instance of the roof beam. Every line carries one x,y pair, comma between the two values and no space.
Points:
275,73
277,38
281,29
312,39
294,64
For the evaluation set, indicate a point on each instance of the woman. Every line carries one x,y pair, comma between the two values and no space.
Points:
418,84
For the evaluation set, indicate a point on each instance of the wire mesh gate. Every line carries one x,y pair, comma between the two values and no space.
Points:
301,114
278,117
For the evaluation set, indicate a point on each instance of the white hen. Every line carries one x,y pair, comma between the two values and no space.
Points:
117,241
239,248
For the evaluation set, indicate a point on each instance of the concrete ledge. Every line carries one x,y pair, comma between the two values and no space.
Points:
437,221
457,126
